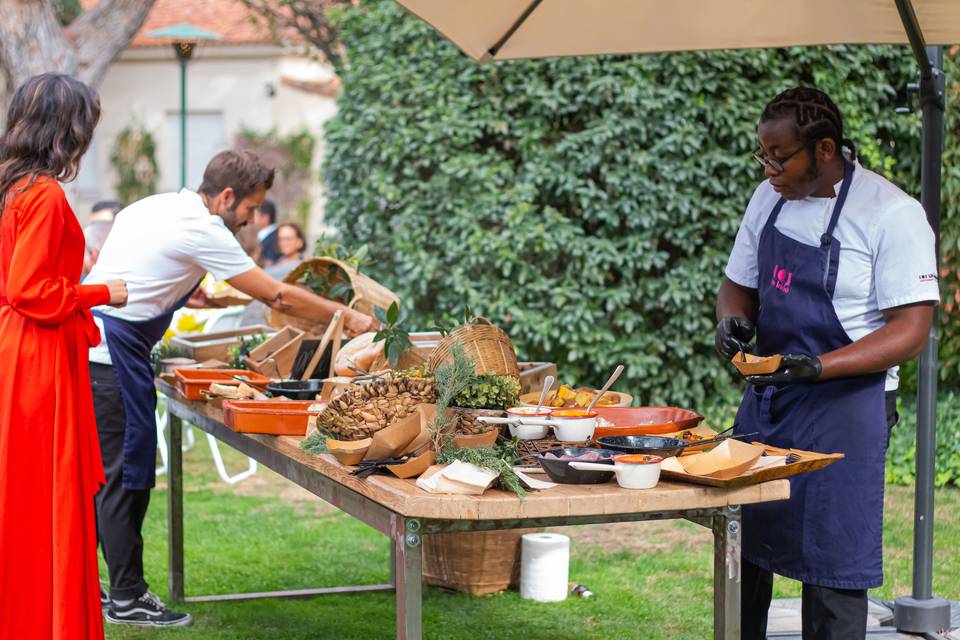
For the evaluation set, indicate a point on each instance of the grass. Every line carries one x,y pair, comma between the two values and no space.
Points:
652,580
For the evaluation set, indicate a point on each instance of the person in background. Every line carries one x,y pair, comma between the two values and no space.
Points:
94,235
290,242
265,221
104,211
164,245
49,458
290,245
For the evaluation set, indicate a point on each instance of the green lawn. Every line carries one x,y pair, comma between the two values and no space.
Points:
652,580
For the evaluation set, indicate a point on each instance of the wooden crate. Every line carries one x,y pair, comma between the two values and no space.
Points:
215,346
532,375
275,357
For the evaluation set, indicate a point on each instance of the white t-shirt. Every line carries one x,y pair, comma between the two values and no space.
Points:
887,254
162,246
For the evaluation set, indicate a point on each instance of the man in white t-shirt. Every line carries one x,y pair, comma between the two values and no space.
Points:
164,245
834,269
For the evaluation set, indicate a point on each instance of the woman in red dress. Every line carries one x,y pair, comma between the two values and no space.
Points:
50,465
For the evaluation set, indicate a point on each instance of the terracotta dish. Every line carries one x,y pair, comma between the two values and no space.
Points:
644,421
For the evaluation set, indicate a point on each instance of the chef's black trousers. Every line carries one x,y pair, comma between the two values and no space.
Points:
826,613
120,512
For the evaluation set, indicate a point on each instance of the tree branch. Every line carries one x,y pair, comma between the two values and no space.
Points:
308,18
103,32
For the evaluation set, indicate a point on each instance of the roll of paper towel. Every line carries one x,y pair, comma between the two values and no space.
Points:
544,566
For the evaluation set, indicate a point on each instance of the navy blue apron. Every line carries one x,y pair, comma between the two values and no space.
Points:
829,533
130,343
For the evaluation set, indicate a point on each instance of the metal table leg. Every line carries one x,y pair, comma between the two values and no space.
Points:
407,545
726,574
175,507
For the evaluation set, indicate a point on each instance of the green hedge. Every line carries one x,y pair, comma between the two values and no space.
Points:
902,454
586,204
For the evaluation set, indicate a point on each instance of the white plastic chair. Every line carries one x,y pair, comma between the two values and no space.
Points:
219,320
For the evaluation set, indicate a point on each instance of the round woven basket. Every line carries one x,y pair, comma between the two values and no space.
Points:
368,294
486,343
478,563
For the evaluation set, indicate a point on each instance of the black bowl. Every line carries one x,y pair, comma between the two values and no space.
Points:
296,389
560,470
653,445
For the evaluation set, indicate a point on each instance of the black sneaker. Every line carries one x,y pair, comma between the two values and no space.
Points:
104,599
146,611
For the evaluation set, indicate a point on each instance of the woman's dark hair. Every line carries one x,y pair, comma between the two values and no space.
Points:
297,230
814,114
50,123
242,171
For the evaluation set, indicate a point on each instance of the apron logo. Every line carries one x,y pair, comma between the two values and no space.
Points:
781,278
928,277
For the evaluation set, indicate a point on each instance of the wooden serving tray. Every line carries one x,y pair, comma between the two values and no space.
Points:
809,461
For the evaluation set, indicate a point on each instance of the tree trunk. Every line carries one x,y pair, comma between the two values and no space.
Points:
32,40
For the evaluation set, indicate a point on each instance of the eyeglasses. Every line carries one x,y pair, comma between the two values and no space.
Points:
766,160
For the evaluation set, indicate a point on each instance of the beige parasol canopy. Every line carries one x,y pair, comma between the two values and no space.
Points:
506,29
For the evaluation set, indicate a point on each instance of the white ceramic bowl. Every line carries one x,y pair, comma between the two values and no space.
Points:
531,425
573,425
637,470
633,470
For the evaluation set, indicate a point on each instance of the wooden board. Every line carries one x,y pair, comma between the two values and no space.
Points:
809,461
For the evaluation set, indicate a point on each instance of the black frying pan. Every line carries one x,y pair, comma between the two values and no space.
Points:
657,445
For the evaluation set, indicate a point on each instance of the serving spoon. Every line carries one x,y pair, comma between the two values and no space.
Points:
547,384
606,387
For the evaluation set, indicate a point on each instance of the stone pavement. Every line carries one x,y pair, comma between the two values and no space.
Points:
784,622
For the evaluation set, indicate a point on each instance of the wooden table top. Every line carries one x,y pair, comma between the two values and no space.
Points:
405,498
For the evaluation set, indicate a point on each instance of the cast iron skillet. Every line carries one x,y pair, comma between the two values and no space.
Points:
659,445
296,389
655,445
560,471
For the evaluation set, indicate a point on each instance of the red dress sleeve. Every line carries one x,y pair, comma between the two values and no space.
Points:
36,287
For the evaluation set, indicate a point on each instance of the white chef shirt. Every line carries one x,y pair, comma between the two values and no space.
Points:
887,254
162,246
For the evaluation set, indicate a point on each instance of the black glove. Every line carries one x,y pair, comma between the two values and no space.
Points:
733,335
792,369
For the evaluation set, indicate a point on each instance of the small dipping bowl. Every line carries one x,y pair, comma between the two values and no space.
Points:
573,425
524,430
637,470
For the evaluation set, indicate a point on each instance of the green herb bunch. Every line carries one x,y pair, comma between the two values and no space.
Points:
452,378
332,282
396,340
489,391
237,352
162,351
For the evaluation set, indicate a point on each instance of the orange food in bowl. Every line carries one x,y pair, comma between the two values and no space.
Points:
638,458
573,413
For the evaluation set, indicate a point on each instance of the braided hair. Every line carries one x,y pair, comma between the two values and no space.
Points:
814,114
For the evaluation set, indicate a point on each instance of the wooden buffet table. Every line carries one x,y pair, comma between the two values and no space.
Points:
405,513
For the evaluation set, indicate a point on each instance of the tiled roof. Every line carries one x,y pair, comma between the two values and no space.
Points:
228,18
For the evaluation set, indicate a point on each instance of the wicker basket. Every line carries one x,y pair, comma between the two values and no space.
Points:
486,343
368,294
467,422
478,563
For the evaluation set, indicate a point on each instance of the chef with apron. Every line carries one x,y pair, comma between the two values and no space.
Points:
834,268
164,245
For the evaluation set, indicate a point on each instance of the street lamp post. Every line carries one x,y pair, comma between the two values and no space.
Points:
184,37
